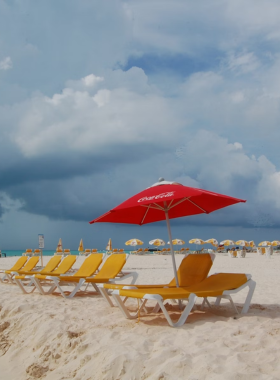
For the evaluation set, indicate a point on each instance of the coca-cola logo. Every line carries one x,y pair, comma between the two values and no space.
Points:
159,196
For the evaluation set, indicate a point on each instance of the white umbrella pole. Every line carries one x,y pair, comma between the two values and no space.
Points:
171,246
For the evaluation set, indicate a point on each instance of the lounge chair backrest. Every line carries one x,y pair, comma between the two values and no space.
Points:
94,250
28,250
67,250
19,264
52,264
193,269
90,265
112,266
31,263
65,265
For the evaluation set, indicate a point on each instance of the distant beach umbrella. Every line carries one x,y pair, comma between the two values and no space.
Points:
243,243
264,243
274,243
252,243
157,242
214,242
81,246
197,241
59,246
227,242
177,242
134,242
109,245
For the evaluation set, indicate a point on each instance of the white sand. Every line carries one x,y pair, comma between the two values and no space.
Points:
83,338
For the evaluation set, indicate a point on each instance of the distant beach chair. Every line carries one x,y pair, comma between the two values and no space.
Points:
21,279
66,252
221,285
261,250
37,252
232,254
86,252
111,271
59,251
192,270
17,266
28,252
94,250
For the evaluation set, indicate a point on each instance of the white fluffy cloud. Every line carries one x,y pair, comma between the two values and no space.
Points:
6,63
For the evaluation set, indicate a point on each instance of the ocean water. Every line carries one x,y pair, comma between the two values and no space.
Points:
10,253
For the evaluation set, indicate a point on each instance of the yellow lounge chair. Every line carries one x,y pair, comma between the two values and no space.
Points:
66,252
87,269
220,285
86,252
31,264
28,252
17,266
111,271
192,270
38,280
21,275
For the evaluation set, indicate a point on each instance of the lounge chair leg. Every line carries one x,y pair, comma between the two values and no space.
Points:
124,310
218,301
184,315
105,295
37,284
23,288
251,285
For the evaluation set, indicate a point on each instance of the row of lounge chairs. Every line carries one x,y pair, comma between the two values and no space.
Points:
192,275
163,251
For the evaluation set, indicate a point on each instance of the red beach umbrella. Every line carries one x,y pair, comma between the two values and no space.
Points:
163,201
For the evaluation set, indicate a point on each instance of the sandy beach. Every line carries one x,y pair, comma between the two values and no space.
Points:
83,338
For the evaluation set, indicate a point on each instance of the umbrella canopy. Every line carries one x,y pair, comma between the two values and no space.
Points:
274,243
109,245
81,246
177,242
243,243
134,242
157,242
59,246
264,243
214,242
197,241
166,200
252,243
227,242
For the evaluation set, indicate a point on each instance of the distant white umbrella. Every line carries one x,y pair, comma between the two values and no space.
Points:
264,243
134,242
157,242
242,243
227,242
59,246
177,242
274,243
197,241
214,242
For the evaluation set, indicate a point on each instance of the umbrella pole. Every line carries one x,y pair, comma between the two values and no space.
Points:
171,246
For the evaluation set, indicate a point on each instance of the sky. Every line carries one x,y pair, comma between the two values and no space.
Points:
97,102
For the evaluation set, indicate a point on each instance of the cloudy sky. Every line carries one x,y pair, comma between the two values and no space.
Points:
97,102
